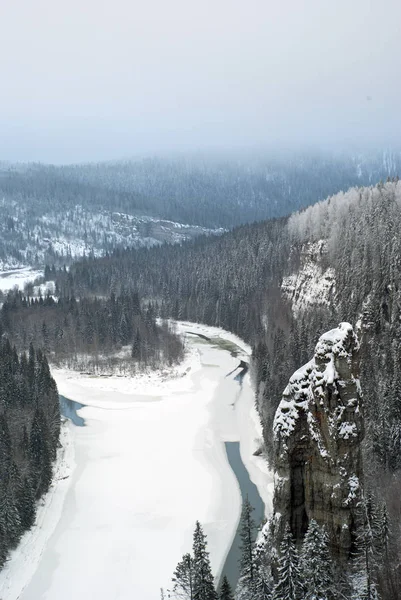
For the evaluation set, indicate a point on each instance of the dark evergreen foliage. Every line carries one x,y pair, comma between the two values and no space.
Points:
29,433
183,578
66,328
315,565
289,585
193,578
247,529
203,577
226,592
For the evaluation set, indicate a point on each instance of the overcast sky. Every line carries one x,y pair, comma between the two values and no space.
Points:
99,79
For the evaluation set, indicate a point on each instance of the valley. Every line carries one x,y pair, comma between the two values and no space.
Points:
138,339
147,462
200,300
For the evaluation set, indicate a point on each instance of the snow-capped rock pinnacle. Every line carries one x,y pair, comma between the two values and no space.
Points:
318,429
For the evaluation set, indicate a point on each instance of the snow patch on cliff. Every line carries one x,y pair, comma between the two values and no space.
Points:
312,284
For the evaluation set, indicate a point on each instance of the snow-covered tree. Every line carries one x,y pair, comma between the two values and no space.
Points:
288,586
203,578
226,592
365,564
183,578
247,534
262,557
315,564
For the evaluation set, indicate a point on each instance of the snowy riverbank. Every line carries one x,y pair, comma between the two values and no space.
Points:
24,560
149,462
12,278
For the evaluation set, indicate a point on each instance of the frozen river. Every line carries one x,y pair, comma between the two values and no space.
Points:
149,461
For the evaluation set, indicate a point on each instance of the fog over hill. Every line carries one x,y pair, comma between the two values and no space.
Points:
55,214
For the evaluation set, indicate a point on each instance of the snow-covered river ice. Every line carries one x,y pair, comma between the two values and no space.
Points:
149,462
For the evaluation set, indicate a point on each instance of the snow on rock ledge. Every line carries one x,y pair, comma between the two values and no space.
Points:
318,429
312,284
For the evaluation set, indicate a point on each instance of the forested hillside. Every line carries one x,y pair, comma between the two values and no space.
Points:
29,434
229,190
280,285
58,214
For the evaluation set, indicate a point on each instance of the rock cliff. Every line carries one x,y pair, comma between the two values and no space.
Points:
313,283
318,429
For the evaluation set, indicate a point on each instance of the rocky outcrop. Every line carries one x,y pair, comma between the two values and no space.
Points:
313,283
318,429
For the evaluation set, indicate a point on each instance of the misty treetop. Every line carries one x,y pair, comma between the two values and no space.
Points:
57,214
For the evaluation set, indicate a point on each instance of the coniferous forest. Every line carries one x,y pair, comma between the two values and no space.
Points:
29,437
88,333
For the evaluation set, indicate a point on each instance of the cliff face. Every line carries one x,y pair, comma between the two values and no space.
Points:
313,283
318,429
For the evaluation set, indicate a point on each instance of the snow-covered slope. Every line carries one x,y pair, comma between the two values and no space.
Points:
33,240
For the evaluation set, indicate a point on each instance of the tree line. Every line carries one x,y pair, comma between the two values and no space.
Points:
298,572
29,434
88,332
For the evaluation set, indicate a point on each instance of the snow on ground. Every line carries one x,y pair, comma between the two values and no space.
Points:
249,431
49,287
24,560
150,461
17,277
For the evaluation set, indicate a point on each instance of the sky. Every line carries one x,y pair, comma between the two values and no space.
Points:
88,80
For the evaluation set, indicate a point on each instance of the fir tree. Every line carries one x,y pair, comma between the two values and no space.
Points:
383,533
203,578
262,565
365,565
315,564
183,578
288,586
39,455
10,521
247,534
225,590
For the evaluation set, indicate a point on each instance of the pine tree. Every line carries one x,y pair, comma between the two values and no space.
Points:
10,522
183,578
225,590
136,346
262,556
262,588
39,455
203,578
25,503
383,533
247,534
365,566
288,586
5,447
315,564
